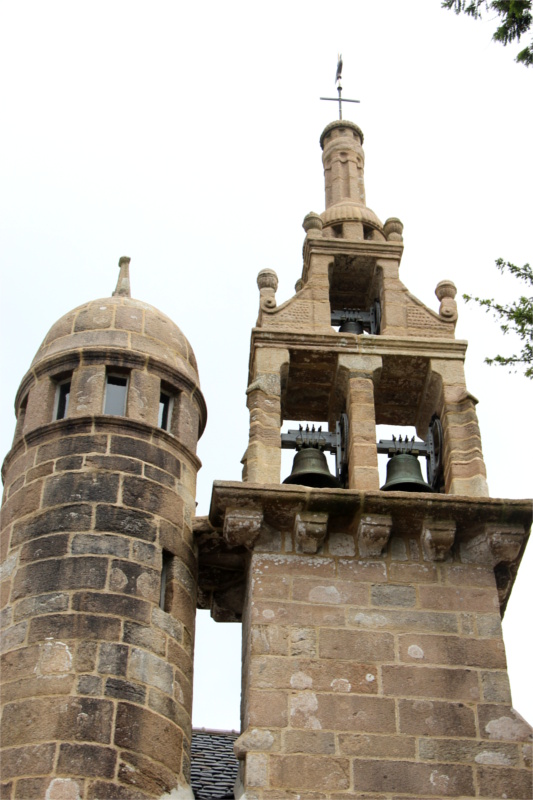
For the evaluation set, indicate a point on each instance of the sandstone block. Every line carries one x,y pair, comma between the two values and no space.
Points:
267,709
497,782
125,690
458,598
434,682
67,573
67,518
89,487
119,605
434,718
51,718
452,650
391,595
358,646
134,579
417,779
74,626
147,668
85,543
374,746
300,772
139,772
87,760
71,445
135,448
316,742
143,731
126,521
33,760
390,619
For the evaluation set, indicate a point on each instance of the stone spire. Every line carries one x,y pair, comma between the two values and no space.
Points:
123,283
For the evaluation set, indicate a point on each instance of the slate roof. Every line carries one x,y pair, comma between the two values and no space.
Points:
213,764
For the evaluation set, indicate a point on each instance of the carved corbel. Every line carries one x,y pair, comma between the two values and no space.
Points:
438,537
373,534
310,530
242,526
494,545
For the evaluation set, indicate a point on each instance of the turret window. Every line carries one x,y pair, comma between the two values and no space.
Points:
166,403
62,399
116,392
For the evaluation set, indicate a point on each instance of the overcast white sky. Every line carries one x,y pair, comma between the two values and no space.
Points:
185,135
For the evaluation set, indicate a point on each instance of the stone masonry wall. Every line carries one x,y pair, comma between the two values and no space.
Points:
381,677
97,677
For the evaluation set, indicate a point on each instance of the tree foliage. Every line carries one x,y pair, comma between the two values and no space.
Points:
516,318
515,16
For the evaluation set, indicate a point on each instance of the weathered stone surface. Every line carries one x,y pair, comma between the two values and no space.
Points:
150,734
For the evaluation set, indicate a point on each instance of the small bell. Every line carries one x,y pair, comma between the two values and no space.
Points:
351,326
310,468
404,475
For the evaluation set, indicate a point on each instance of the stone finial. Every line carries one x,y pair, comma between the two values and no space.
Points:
123,283
393,229
267,281
446,291
312,224
299,285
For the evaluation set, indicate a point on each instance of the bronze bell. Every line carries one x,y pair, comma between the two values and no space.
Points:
351,326
310,468
404,475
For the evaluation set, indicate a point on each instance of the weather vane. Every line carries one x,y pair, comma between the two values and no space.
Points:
340,99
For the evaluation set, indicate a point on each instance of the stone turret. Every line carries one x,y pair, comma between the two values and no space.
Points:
100,565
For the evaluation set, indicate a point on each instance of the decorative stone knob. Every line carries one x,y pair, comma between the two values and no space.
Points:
267,281
446,291
312,224
299,285
393,229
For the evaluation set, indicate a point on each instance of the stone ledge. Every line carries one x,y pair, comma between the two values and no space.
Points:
473,519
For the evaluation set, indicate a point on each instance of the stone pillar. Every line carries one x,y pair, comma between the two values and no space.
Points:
464,467
362,456
263,456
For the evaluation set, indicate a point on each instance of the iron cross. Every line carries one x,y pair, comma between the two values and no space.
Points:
340,99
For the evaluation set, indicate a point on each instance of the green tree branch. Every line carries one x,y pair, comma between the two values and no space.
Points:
517,318
516,18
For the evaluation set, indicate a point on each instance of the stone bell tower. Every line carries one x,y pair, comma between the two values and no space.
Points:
99,569
373,660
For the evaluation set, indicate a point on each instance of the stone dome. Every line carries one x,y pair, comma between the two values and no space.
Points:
120,323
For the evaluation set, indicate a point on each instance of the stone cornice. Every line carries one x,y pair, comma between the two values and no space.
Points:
72,426
480,530
360,345
334,247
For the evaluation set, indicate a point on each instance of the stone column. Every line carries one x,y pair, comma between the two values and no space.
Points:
263,456
464,467
362,456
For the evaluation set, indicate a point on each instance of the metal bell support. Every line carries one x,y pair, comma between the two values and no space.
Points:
310,468
404,475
